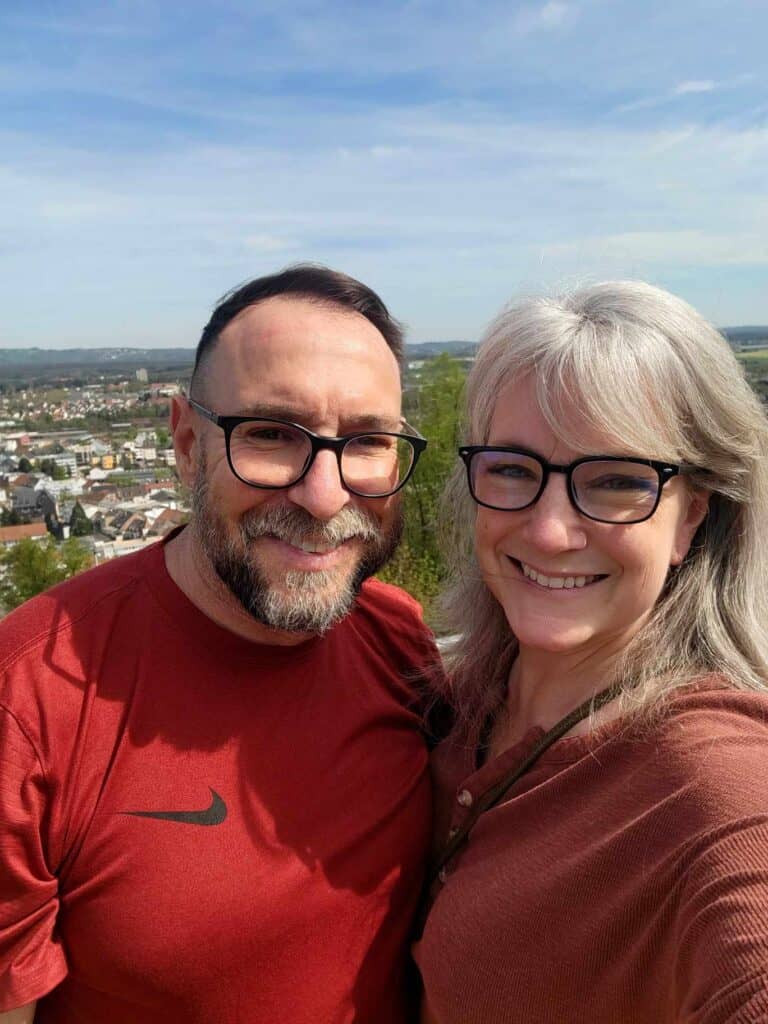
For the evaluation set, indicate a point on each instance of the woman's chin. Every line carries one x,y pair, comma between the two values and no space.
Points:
553,641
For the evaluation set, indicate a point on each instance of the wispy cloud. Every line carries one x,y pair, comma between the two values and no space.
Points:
446,152
690,89
695,86
548,16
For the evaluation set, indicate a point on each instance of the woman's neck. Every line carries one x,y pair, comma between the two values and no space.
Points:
543,688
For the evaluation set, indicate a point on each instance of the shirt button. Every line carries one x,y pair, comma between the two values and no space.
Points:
453,832
465,798
442,876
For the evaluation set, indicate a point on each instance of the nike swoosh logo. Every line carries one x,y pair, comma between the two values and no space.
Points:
213,815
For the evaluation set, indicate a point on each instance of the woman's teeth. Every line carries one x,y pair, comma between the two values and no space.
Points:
556,582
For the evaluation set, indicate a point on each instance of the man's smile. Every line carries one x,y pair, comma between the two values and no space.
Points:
306,556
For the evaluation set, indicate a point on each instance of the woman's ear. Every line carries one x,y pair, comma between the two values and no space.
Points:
695,513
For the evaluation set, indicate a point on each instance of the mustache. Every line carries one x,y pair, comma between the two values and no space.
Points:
296,525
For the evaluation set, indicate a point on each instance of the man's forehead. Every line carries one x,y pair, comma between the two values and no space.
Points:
297,316
321,362
284,328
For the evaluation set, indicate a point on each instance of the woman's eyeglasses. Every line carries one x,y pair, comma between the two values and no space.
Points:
606,488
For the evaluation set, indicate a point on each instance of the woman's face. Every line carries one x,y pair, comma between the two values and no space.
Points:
624,565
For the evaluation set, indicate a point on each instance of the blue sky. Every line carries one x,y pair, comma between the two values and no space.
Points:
155,153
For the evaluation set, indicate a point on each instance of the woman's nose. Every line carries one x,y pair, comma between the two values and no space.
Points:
553,524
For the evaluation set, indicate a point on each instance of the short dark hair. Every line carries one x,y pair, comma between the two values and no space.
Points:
307,281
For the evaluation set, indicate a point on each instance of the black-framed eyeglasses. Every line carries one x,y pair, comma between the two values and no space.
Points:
606,488
272,454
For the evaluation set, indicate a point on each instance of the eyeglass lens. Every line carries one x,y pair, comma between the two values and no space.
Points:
616,492
276,454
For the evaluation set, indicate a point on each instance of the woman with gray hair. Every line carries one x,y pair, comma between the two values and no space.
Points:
602,817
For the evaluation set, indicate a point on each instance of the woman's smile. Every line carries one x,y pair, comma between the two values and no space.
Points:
570,580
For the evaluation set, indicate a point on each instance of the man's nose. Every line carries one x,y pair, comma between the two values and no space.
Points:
321,492
553,524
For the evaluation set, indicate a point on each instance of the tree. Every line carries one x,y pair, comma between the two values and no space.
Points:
418,565
25,466
52,469
163,437
79,523
30,567
10,517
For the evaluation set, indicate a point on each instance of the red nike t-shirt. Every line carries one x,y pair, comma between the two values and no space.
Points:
197,828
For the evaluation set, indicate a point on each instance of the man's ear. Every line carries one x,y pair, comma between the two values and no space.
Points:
698,506
185,439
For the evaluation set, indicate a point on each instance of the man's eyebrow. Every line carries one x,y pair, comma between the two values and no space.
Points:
352,425
373,422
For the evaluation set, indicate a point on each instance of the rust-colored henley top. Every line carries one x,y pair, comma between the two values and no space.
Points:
623,880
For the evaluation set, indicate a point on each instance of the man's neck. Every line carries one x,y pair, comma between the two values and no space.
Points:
193,574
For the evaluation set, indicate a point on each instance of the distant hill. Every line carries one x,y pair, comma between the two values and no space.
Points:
738,336
93,358
45,362
113,360
428,349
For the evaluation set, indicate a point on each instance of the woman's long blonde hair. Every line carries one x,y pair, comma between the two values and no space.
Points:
644,369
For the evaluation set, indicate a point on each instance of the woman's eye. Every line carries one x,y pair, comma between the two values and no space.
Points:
510,470
620,482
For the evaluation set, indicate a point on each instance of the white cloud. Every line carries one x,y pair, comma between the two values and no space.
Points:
689,87
547,17
269,243
694,86
389,152
179,227
553,14
644,250
442,150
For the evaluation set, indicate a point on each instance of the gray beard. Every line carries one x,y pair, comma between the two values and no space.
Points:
303,602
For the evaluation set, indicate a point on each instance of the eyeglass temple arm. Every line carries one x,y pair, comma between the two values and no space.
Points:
212,416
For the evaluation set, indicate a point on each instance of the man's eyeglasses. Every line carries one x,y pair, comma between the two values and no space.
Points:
271,454
606,488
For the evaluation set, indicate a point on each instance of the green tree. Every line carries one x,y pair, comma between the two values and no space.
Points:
30,567
52,469
163,437
418,565
79,523
25,466
10,517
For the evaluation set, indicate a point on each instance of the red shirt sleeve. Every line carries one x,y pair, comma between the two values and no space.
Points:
723,940
32,961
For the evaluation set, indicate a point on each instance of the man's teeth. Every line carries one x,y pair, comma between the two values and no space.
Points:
556,582
313,549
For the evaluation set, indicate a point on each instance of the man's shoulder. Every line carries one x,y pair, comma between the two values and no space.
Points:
394,613
55,610
385,599
390,621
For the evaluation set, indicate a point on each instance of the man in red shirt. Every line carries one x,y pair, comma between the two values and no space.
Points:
213,795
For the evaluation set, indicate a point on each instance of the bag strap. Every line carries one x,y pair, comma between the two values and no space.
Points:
495,793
